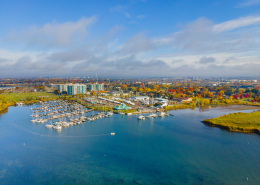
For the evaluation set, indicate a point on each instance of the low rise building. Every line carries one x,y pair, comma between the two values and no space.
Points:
140,98
183,99
122,107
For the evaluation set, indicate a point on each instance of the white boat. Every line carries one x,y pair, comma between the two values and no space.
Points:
57,127
113,133
48,126
141,117
161,114
153,115
33,120
129,114
65,125
90,119
40,121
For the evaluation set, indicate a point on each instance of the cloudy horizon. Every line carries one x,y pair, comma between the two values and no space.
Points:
129,39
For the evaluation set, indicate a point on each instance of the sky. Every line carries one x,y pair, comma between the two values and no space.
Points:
129,38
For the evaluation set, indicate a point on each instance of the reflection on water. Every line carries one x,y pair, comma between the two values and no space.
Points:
3,111
170,150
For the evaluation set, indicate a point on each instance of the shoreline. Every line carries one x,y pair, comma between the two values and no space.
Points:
227,128
25,103
237,122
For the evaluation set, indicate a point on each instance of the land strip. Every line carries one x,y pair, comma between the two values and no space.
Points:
237,122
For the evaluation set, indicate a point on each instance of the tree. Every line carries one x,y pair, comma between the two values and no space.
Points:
250,94
3,99
133,89
124,87
220,93
229,92
227,101
56,91
140,89
147,89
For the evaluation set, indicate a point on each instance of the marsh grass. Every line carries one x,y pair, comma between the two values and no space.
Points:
238,122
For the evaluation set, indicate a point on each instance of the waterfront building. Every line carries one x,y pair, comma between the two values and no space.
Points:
63,87
72,89
183,99
122,107
140,98
95,87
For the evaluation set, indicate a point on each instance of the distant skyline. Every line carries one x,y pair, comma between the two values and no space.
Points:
130,38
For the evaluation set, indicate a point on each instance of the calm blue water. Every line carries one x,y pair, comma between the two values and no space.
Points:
165,150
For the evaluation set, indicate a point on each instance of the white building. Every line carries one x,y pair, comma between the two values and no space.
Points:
95,87
63,87
72,89
140,98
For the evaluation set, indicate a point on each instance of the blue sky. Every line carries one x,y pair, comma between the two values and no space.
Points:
135,38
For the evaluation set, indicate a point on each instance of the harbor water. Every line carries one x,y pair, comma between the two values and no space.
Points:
177,149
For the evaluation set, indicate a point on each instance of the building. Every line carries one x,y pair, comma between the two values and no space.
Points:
55,86
95,87
74,89
63,87
161,100
118,93
122,107
183,99
115,93
140,98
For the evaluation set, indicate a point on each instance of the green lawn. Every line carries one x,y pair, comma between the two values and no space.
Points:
126,111
24,96
240,122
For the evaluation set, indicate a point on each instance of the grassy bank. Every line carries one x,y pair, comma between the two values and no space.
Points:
126,111
11,99
29,96
237,122
178,106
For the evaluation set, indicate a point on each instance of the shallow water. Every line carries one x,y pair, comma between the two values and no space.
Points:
169,150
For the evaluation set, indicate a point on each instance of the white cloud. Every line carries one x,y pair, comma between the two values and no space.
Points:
237,23
141,16
127,15
53,34
196,49
248,3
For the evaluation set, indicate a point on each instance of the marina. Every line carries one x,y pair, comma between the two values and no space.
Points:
60,114
94,152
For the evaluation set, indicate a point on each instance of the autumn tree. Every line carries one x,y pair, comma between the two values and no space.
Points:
220,93
140,89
